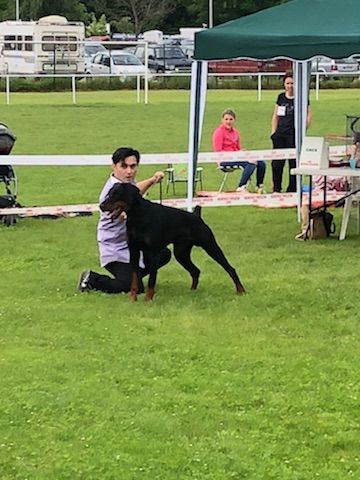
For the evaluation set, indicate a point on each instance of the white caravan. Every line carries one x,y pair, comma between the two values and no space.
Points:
50,45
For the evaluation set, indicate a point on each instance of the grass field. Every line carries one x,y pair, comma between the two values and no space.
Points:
197,385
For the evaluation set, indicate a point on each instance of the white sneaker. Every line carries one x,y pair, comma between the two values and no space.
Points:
242,189
83,284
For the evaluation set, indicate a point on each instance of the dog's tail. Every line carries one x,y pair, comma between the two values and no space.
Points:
197,211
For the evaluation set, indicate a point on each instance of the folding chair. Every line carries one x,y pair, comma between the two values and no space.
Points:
226,168
179,173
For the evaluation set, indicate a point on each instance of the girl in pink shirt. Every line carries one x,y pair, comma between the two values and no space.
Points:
226,138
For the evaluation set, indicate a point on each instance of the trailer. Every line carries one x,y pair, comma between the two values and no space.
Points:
51,45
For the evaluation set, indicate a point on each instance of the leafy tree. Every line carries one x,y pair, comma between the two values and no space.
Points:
7,10
102,7
195,13
147,14
34,9
96,27
124,25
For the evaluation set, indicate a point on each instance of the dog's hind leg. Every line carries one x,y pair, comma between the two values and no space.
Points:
215,252
182,254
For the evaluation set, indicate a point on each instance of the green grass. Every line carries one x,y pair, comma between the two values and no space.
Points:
197,385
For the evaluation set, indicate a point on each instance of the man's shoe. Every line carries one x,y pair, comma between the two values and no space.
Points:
83,284
242,189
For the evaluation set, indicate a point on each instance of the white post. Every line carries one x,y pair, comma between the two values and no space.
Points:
7,90
73,88
259,87
138,87
146,86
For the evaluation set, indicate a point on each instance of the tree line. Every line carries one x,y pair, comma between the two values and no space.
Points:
136,16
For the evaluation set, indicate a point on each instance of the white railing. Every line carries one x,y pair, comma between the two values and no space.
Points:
138,77
160,158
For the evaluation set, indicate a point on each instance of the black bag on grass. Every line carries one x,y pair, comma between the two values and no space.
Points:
316,224
321,225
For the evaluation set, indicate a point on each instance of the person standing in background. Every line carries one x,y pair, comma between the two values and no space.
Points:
283,132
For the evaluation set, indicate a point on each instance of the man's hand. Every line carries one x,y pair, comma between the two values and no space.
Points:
157,177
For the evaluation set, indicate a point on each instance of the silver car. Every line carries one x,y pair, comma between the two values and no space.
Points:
116,62
335,67
91,49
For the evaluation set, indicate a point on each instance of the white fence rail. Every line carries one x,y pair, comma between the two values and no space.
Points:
259,76
159,158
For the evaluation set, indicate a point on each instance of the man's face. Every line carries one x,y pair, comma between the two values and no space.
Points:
126,171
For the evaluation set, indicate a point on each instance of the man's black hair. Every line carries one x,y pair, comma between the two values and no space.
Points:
123,152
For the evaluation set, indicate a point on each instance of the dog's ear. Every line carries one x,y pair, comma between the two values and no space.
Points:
197,211
131,194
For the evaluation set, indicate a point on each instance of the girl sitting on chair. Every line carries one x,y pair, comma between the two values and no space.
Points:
226,138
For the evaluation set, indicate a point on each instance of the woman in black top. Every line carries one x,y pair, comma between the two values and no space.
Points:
283,133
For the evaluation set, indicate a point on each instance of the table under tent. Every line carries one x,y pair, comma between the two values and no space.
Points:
299,30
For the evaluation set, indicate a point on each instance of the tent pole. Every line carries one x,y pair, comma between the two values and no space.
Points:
197,109
302,81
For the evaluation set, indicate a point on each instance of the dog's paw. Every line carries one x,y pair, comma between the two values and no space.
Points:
149,295
133,297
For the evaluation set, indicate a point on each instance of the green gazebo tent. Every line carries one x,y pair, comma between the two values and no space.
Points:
298,29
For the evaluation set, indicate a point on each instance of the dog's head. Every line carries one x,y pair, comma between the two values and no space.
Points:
121,198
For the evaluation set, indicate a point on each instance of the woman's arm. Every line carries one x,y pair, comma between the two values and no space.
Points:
274,120
218,140
144,185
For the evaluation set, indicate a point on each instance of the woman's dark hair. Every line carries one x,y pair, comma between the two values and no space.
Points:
288,75
123,152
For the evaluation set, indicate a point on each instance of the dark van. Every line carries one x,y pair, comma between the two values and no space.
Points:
164,58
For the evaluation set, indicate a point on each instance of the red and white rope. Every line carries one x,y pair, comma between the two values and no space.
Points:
278,200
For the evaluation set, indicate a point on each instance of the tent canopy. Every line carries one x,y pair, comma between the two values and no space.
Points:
299,29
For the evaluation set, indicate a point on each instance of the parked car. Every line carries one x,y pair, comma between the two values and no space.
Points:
116,62
356,57
162,58
328,66
188,49
250,66
91,49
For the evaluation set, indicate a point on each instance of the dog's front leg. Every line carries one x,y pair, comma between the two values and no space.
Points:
154,266
134,262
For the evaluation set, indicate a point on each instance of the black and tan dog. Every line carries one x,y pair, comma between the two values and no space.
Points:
151,227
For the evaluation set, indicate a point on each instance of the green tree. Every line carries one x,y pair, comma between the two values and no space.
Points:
124,25
147,14
7,10
96,27
34,9
195,13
